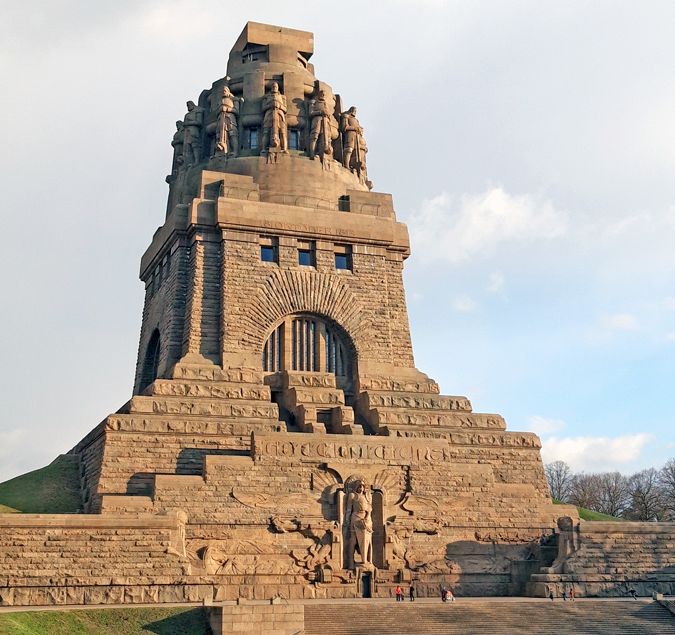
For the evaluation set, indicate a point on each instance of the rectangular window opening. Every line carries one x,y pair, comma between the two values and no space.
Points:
307,253
269,249
343,257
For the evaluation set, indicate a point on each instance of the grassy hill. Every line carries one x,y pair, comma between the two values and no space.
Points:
589,514
139,621
54,489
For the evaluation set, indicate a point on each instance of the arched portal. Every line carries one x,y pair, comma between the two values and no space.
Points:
150,362
313,344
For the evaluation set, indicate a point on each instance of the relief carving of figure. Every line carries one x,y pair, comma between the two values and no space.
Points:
359,523
275,133
321,117
192,127
227,131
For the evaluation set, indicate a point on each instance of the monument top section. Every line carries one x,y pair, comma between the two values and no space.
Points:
265,43
270,118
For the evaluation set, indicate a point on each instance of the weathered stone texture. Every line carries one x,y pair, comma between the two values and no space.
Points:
279,440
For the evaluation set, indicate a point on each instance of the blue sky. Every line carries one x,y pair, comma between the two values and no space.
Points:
529,146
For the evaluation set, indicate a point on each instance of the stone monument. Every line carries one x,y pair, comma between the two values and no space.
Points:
280,440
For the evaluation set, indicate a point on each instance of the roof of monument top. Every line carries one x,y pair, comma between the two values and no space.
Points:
266,34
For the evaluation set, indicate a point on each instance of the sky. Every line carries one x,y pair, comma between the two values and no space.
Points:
529,146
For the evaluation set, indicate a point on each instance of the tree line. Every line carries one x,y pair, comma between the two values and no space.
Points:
646,495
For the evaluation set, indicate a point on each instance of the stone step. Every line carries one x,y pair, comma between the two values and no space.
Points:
412,400
389,384
201,406
412,418
162,423
489,617
209,389
318,396
214,373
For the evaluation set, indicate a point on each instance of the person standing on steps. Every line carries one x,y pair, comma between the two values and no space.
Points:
411,591
444,593
572,594
399,593
450,595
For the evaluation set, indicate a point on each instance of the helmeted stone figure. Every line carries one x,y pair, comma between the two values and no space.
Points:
320,114
352,134
227,129
177,144
192,126
275,133
359,523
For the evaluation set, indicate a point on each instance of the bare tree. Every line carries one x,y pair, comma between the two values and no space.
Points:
646,499
586,491
560,478
614,498
667,485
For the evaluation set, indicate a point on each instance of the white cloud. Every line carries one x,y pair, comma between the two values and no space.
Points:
464,304
496,282
475,226
620,322
594,453
542,425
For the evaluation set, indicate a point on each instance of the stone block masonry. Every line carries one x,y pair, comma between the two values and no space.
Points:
279,441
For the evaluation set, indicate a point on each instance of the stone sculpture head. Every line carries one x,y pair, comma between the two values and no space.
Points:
191,106
275,88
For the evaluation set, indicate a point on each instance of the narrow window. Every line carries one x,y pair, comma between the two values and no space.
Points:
293,139
343,257
252,138
307,253
269,249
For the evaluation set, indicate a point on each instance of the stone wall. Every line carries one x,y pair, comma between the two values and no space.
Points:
610,558
257,619
88,559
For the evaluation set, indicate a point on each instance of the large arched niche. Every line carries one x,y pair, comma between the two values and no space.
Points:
310,343
289,292
150,366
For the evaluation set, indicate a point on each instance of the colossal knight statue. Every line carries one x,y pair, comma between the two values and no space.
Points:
227,130
192,126
359,523
275,133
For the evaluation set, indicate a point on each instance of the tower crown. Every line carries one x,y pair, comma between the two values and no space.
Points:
270,108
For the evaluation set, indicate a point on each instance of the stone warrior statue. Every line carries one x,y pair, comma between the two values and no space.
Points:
359,523
321,116
227,131
177,144
192,126
275,133
351,135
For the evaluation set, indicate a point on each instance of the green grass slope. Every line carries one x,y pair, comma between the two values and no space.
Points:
162,621
54,489
589,514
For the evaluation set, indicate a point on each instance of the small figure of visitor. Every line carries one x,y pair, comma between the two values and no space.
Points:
399,593
411,591
564,595
444,593
633,593
450,595
550,595
572,594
